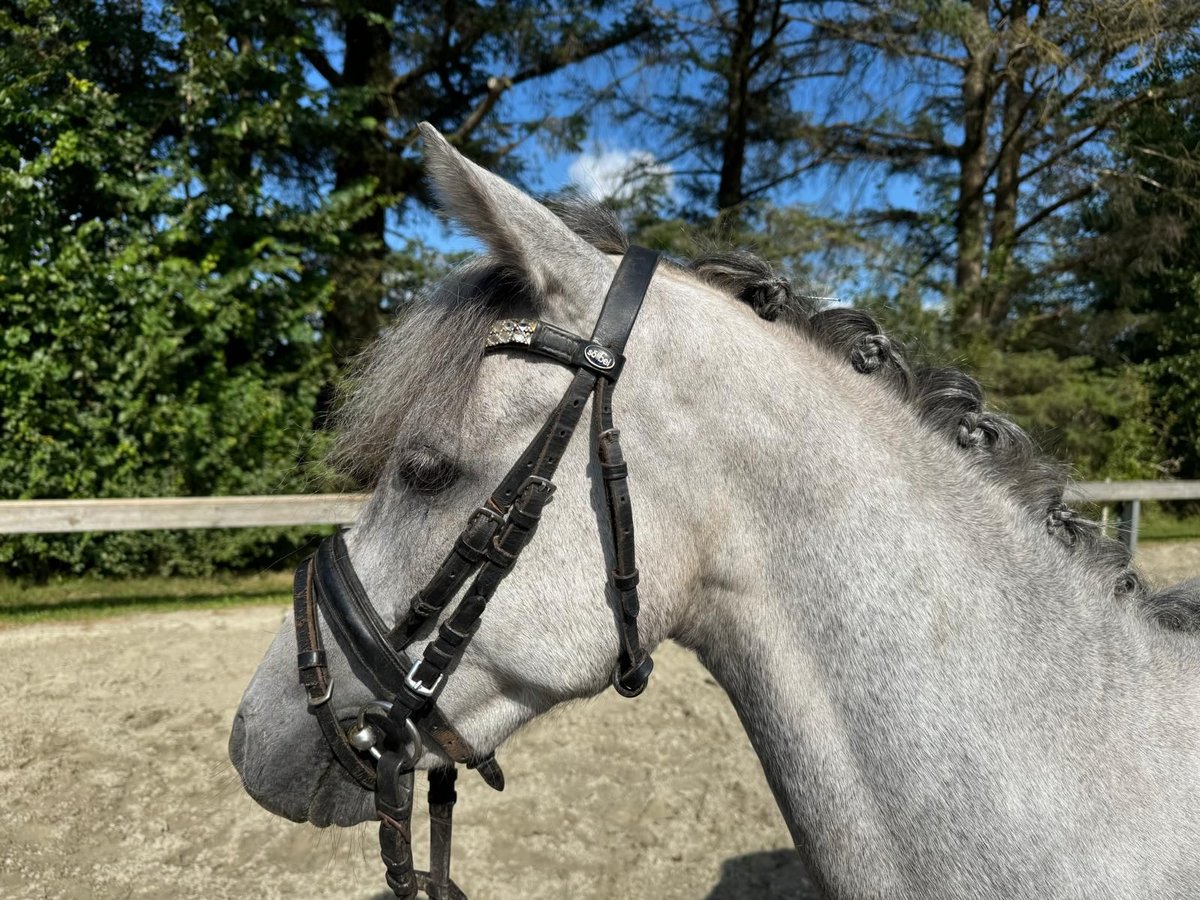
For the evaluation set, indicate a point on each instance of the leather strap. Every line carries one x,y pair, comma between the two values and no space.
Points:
442,655
527,487
544,452
394,805
362,636
464,559
314,676
558,344
488,547
634,665
438,884
624,299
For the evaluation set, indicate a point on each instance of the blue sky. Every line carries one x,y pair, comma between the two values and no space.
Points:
548,171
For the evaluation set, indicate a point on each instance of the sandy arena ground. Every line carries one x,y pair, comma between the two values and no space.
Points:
114,781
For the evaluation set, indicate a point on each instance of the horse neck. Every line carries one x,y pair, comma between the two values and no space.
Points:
941,695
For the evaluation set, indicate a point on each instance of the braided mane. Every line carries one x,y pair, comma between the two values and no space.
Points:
947,400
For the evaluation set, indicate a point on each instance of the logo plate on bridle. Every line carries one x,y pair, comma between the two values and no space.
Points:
600,357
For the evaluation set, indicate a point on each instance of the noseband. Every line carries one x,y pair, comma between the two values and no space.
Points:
380,743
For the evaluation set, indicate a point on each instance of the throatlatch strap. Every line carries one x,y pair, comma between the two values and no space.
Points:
633,663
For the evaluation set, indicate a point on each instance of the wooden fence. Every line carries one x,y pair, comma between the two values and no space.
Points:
58,516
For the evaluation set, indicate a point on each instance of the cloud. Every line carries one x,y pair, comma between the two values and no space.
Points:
617,174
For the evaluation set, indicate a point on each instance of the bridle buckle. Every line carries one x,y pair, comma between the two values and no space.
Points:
419,687
488,513
324,698
537,481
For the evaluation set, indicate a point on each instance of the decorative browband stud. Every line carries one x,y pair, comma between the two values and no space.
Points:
558,344
511,331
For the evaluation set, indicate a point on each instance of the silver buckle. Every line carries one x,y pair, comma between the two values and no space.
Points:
486,512
537,481
418,687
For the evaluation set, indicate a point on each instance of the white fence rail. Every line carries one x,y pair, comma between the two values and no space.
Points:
142,514
1128,491
1127,496
153,513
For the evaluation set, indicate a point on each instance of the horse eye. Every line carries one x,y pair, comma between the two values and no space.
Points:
426,471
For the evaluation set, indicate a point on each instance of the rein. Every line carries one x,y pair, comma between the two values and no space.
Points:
380,743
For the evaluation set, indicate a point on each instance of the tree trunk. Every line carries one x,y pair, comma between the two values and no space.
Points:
1008,168
973,158
358,281
737,114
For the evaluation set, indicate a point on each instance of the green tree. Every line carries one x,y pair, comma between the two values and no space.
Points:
1139,251
157,311
719,88
1004,111
387,65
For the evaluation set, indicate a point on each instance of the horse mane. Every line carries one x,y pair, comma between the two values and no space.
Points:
387,398
947,400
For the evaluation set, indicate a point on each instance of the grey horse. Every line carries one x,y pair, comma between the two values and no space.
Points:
956,686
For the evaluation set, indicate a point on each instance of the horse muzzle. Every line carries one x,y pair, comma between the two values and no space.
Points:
299,786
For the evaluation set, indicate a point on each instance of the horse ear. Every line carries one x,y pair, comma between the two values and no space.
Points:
518,230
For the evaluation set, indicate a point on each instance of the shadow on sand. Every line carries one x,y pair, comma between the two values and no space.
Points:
770,875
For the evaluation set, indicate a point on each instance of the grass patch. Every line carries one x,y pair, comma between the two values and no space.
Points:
85,598
1160,525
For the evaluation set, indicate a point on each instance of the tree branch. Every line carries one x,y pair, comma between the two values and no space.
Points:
882,144
324,67
1046,212
562,57
495,87
858,33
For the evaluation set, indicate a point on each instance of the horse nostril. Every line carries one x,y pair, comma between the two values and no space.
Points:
237,741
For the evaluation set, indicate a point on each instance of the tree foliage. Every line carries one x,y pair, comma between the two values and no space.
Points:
201,201
719,88
1005,112
156,308
384,66
1139,254
194,202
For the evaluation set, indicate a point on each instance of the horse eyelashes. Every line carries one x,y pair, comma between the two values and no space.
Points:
426,471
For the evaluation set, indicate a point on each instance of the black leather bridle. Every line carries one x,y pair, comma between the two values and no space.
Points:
380,743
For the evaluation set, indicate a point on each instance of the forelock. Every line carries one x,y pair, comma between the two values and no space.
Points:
417,377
